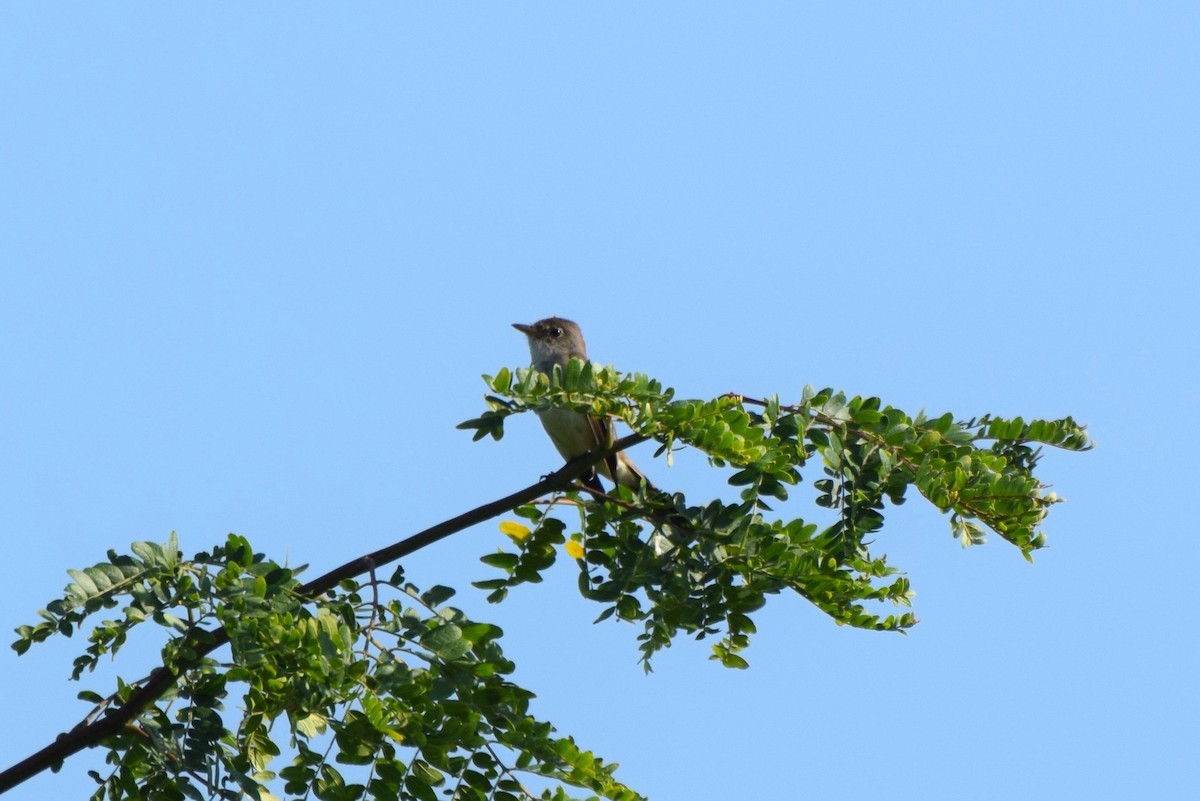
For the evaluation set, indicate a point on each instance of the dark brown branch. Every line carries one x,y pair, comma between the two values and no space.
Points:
91,732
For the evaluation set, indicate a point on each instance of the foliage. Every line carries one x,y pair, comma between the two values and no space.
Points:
378,690
375,680
703,569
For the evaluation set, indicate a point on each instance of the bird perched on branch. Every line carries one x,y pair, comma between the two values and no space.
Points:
555,341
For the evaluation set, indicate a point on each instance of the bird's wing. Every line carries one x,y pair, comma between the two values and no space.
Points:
606,435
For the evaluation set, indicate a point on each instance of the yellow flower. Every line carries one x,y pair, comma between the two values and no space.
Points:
515,530
575,549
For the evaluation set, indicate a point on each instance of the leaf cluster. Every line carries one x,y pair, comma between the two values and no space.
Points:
350,689
703,569
378,689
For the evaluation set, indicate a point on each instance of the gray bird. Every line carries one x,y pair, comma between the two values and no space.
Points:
555,341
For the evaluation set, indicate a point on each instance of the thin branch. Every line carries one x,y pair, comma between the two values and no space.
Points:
91,732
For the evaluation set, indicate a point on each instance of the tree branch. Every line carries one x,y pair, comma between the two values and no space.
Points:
92,731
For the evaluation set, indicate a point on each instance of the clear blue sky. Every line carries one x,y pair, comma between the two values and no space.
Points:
255,257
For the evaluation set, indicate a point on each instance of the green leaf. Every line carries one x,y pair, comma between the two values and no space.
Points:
446,641
500,559
437,595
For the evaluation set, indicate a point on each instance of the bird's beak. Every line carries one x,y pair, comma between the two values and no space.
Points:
527,330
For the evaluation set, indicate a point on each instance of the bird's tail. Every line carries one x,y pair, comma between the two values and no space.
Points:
627,473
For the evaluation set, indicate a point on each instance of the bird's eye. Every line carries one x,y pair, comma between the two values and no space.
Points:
556,332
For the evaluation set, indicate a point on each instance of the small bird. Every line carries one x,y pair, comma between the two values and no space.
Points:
555,341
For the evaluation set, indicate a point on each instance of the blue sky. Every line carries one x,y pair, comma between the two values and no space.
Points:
255,260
